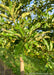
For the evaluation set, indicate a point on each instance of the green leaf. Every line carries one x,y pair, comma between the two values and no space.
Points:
22,31
46,43
26,45
51,46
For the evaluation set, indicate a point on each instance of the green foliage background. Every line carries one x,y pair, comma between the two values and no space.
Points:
27,30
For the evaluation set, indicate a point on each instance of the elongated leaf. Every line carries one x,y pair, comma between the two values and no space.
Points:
5,7
51,46
46,43
25,14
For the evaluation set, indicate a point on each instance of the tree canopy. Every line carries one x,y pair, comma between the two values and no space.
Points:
27,28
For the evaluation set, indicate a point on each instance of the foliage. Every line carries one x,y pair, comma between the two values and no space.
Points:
23,34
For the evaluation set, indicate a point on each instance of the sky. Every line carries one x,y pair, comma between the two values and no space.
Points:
34,16
31,3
